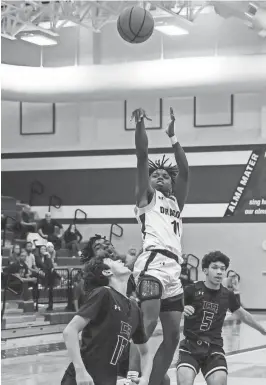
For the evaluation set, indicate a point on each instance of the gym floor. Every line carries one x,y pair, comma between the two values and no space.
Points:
245,349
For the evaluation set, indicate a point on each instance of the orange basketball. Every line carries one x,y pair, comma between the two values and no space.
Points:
135,25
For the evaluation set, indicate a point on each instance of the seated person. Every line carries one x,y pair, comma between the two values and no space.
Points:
30,259
72,239
46,229
15,253
51,250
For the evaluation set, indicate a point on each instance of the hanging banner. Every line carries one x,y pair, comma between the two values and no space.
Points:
249,198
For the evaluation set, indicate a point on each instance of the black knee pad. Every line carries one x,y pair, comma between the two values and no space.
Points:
149,288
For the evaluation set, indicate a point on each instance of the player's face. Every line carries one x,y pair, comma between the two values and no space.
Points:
117,267
215,273
161,181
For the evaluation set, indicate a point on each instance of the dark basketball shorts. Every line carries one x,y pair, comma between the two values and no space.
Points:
102,378
175,303
199,355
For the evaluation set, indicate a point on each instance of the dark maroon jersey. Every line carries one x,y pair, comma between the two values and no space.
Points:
210,311
114,320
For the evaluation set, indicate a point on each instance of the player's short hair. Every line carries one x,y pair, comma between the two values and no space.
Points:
93,272
161,165
88,252
214,256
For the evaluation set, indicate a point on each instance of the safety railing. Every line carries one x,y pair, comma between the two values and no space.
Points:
10,283
60,288
116,234
76,215
54,201
36,188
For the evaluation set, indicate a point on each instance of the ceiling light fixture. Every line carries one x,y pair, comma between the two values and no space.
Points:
38,39
171,30
58,24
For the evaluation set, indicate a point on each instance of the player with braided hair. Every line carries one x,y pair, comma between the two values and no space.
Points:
96,243
161,193
108,321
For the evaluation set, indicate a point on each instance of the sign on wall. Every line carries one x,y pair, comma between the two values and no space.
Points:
249,197
30,121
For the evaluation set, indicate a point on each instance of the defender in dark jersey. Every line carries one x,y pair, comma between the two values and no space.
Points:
206,304
108,321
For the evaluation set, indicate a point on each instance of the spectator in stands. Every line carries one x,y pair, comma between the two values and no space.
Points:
47,230
78,291
232,282
45,264
72,239
52,252
15,253
25,223
30,259
185,272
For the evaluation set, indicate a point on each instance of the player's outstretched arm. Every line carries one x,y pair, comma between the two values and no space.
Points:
71,337
144,191
182,182
248,319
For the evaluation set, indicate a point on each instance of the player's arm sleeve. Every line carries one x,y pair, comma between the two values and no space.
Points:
188,295
233,302
97,300
182,181
143,187
139,336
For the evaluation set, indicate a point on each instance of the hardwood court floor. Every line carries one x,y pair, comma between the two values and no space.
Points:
246,350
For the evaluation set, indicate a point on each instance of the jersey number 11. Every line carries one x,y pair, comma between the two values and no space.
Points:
176,227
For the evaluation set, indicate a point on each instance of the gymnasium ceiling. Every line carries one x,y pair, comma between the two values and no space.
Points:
215,29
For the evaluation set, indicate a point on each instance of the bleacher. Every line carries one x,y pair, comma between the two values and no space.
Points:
19,309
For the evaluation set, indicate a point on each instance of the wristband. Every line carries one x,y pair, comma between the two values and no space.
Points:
173,140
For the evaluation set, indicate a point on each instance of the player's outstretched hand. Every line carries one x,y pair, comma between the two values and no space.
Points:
139,114
83,377
188,310
170,131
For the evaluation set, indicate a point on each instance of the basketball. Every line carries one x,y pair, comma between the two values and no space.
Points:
135,25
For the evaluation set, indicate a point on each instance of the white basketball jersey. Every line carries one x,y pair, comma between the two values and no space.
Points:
161,224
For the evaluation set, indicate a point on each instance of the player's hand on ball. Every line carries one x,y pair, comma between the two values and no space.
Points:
171,126
83,377
188,310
